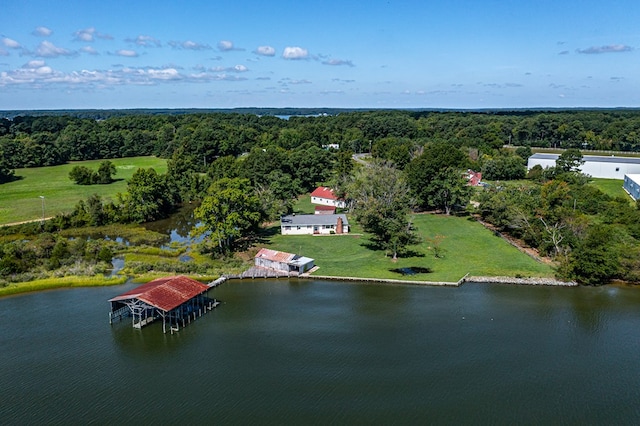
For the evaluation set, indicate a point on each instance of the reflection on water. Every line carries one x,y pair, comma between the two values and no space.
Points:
177,226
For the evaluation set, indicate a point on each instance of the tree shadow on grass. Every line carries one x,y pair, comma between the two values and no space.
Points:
265,235
13,178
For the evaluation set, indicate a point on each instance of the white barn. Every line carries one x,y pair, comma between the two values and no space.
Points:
594,165
325,196
313,224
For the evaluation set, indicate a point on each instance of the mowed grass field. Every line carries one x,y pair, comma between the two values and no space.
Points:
612,187
20,200
468,248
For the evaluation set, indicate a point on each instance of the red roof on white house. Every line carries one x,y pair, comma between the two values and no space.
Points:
324,192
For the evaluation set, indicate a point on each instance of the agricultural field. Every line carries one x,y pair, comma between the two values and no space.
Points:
21,200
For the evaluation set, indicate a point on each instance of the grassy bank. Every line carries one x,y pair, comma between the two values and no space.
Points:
466,245
51,283
20,200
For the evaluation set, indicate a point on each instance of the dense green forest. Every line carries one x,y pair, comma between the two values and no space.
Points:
247,168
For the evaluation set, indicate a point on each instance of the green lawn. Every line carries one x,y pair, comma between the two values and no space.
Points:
612,187
469,248
20,200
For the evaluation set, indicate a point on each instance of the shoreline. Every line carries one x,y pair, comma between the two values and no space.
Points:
66,282
466,279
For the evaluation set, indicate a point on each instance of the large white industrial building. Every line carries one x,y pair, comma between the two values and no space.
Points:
594,165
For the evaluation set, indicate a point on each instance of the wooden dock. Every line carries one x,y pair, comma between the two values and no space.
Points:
258,272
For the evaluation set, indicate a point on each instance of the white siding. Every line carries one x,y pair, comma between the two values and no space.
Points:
309,229
328,202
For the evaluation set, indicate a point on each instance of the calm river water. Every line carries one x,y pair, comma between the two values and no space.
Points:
317,352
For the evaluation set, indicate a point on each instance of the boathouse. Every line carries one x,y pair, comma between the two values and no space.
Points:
177,300
283,261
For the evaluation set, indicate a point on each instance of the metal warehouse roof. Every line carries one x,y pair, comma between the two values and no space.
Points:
165,293
313,219
590,158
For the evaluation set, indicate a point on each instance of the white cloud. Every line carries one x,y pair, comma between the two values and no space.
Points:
36,63
46,49
36,74
189,45
612,48
10,43
236,69
338,62
295,53
164,74
3,52
89,49
89,35
127,53
145,41
265,51
42,31
225,45
85,35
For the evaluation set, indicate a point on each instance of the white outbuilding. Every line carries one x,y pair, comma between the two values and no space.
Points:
594,165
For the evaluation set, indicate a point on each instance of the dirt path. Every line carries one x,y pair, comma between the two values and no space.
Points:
26,221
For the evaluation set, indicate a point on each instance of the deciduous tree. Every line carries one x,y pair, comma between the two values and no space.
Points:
230,211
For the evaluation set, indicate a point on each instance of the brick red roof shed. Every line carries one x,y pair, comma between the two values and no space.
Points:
322,209
165,293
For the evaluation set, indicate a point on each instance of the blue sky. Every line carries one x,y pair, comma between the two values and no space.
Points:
391,54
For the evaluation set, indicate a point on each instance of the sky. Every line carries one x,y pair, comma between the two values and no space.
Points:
342,54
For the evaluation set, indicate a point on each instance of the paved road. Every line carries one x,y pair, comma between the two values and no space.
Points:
360,158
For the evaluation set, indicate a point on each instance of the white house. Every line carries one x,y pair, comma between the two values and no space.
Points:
325,196
309,224
283,261
594,165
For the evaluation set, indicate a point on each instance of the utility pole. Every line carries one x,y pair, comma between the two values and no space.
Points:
42,198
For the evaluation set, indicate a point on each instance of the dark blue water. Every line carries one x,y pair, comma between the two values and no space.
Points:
314,352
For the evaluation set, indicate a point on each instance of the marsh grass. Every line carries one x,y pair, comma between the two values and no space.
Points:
62,282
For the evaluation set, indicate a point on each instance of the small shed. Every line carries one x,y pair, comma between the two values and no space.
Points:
283,261
322,209
176,300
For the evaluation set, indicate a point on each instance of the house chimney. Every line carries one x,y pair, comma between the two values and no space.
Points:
339,229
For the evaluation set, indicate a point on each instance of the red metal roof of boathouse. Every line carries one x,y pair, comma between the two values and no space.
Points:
274,255
324,192
165,293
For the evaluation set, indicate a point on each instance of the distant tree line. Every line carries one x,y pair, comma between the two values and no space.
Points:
245,169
